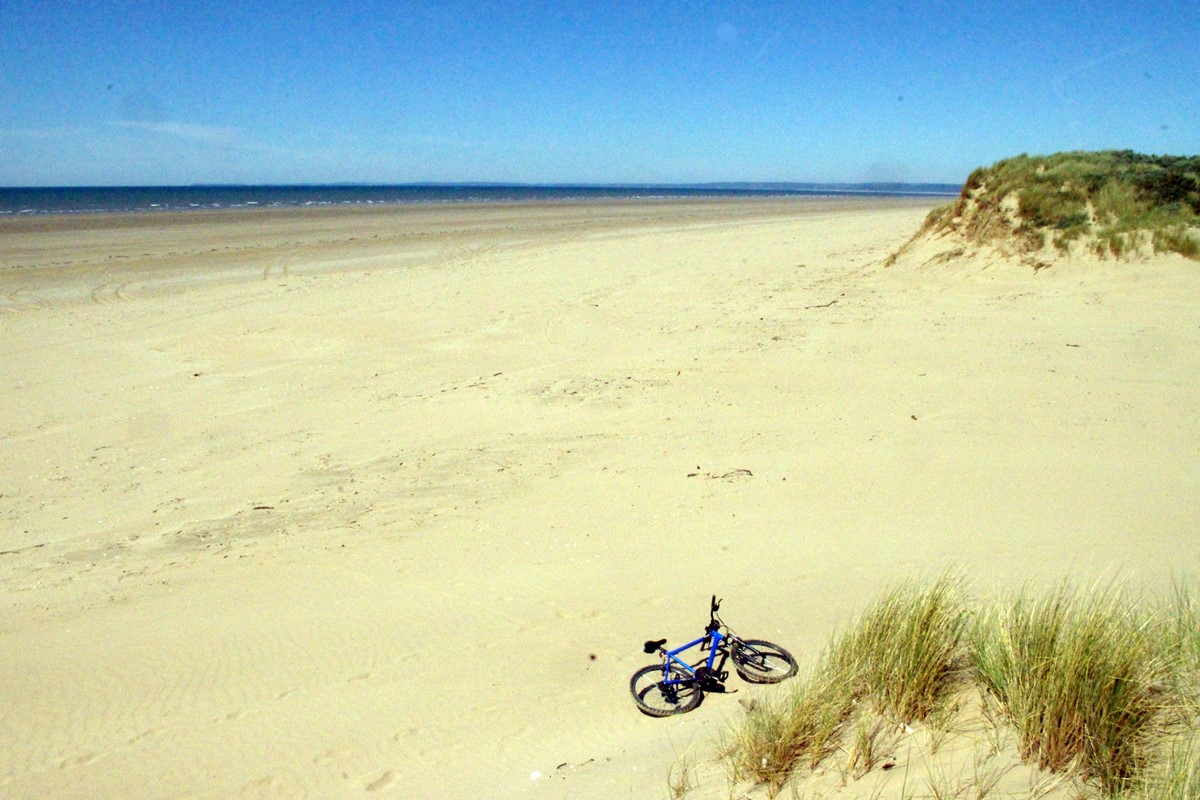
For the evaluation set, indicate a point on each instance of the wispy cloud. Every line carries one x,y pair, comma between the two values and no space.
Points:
38,133
208,134
1068,75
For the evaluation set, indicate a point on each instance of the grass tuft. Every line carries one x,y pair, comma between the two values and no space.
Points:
905,652
865,747
1179,777
1177,239
1094,686
1082,677
778,735
903,656
679,779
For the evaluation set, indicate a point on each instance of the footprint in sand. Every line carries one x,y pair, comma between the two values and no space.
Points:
268,783
411,733
336,754
232,716
81,760
592,615
146,734
384,781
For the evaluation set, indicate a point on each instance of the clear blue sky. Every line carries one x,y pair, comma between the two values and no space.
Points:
160,91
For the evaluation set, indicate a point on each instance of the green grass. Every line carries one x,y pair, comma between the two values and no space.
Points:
905,652
1099,685
1084,678
1119,200
1183,621
779,734
902,657
1177,239
679,779
1179,776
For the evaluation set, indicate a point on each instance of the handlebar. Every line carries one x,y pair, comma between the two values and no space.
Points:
713,621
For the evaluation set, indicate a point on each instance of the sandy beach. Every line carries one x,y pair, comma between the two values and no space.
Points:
383,502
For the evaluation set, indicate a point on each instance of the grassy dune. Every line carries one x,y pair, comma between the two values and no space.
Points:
1111,203
1098,686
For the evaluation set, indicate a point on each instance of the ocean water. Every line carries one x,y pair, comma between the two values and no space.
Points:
96,199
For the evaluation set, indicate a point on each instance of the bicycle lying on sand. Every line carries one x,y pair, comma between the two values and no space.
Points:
676,687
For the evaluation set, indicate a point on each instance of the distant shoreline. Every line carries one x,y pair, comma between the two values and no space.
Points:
33,201
622,211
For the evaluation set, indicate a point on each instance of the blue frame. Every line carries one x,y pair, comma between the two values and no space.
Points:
714,639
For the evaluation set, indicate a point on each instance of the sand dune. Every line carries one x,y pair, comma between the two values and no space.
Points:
383,502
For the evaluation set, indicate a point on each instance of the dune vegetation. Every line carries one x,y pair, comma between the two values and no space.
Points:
1097,687
1110,203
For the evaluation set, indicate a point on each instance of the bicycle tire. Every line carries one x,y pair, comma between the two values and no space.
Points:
655,700
759,661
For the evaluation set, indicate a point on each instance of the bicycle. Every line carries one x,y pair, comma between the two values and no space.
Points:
677,687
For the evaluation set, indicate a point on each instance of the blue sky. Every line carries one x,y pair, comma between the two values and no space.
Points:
165,92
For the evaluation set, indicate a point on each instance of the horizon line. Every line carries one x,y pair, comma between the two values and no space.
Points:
782,184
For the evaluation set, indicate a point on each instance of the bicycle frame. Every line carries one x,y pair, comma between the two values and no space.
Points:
716,644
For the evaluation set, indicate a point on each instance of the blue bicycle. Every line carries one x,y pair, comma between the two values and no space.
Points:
676,687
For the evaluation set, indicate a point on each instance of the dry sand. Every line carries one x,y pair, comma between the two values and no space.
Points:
384,501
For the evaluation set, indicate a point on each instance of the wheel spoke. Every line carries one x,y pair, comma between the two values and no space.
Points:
660,698
763,662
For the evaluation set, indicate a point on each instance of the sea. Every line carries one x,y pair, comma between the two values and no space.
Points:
118,199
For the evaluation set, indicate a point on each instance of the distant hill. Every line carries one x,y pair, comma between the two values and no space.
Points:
839,188
1110,203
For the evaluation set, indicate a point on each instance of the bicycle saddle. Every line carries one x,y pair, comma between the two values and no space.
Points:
651,646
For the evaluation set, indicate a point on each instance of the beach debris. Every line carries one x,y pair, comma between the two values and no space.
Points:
825,305
22,549
732,474
562,770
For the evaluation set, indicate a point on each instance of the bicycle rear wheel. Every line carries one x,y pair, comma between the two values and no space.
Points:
659,699
758,661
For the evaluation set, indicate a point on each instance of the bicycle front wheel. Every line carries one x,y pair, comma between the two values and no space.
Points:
659,698
757,661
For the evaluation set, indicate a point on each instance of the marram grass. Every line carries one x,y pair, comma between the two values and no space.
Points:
902,657
1112,202
906,651
1178,776
1084,678
1097,684
780,734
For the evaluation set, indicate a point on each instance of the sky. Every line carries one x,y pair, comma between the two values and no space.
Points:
161,92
